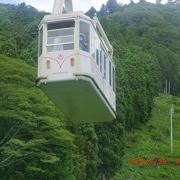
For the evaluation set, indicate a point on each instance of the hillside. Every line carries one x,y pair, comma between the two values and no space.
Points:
19,31
151,142
35,141
152,28
33,138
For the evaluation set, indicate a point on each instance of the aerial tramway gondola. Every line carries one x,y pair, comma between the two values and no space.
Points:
75,66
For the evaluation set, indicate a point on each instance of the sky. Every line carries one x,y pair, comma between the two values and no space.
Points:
78,5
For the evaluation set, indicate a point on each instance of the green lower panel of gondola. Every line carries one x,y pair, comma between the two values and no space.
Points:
79,100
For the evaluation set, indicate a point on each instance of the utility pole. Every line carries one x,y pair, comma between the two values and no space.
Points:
171,127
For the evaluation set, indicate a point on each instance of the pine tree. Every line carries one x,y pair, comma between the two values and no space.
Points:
103,10
91,13
111,6
142,1
177,2
158,1
131,2
170,2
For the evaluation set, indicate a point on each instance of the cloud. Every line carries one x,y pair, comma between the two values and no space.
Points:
8,1
42,5
79,5
47,5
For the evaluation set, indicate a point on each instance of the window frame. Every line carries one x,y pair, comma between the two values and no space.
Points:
101,60
110,73
40,41
97,56
61,44
114,78
61,24
105,67
88,37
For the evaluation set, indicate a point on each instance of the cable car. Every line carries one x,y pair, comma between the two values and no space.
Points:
75,65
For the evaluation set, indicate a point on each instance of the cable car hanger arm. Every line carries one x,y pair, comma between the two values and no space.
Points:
62,6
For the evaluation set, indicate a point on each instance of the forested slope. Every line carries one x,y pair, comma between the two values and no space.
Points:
146,43
153,28
35,141
19,30
148,154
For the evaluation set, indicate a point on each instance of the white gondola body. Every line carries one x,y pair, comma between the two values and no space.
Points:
75,67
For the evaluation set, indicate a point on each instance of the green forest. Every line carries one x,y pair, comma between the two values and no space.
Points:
35,140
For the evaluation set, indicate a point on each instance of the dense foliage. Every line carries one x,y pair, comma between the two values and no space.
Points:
146,45
18,31
35,142
148,154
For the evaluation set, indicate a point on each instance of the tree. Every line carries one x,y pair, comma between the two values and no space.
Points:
91,13
142,1
110,137
131,2
34,142
170,2
177,2
103,10
111,6
87,142
158,2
